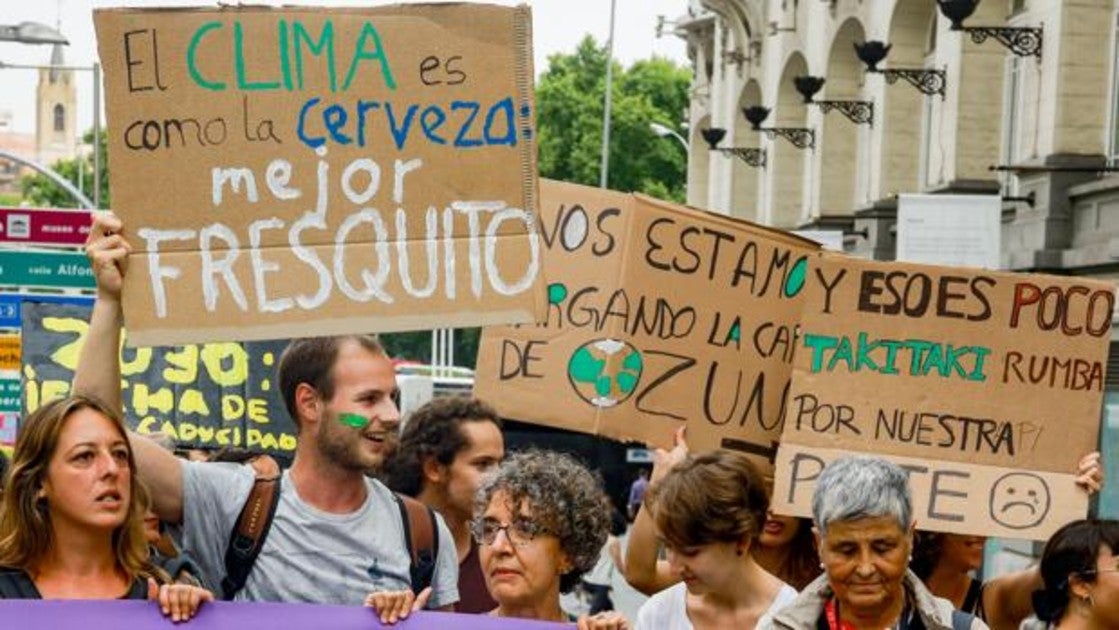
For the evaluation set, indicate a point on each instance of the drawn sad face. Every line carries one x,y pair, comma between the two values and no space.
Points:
1019,500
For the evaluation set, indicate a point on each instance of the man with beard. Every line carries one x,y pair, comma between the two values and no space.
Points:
336,535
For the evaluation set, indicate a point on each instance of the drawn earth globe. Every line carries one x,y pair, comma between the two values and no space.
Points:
605,372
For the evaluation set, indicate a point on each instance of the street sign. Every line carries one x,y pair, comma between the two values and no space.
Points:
10,393
9,421
10,305
37,268
639,456
44,226
9,352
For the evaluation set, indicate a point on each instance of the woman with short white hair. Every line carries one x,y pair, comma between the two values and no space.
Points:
863,521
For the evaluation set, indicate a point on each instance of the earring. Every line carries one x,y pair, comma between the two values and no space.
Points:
822,566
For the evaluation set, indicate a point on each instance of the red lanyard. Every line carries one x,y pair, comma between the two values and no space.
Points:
832,611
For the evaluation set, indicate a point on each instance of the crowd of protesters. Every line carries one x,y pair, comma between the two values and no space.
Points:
90,510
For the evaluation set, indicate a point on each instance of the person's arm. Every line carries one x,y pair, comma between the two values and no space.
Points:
642,569
98,371
614,548
1007,599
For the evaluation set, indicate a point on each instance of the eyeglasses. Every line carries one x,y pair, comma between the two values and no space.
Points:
519,533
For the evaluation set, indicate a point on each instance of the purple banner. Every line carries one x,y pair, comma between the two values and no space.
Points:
44,226
112,615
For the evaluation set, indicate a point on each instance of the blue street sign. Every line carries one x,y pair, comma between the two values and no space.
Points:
10,305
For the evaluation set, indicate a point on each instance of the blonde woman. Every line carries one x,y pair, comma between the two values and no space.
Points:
72,521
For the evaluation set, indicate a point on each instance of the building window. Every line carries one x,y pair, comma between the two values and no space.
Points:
1113,128
59,117
1017,6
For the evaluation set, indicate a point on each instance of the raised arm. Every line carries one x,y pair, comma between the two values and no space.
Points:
98,372
643,570
1007,598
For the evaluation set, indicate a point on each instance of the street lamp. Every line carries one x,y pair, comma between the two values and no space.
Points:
664,132
31,33
604,167
927,80
1023,41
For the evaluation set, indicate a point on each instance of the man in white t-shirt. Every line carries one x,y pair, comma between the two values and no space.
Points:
337,535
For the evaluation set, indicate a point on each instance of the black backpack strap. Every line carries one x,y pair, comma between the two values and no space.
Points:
421,536
247,538
973,601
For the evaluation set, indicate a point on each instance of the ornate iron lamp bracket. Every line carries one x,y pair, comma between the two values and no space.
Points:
1024,41
753,156
858,112
802,138
928,81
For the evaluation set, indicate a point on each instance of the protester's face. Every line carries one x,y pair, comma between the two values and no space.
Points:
866,560
965,553
520,572
364,384
704,568
778,530
88,481
1104,591
484,450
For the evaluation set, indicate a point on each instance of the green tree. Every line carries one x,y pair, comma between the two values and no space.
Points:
569,103
39,190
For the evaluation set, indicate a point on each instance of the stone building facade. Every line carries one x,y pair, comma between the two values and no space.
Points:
1041,130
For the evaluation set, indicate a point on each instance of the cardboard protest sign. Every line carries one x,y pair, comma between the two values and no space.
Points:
137,615
986,386
205,396
659,316
304,171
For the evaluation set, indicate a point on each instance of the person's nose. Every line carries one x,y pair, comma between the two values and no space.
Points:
501,542
109,465
865,567
388,412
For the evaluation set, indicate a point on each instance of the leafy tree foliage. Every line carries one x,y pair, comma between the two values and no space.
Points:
569,103
39,190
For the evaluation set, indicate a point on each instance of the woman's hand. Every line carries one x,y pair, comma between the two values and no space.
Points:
179,602
393,606
663,460
609,620
1089,473
108,254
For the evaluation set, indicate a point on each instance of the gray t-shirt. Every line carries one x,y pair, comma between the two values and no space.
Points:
309,555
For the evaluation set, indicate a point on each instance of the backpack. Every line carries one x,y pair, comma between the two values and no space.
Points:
255,520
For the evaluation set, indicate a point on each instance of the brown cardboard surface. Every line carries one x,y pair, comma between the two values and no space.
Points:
349,170
958,369
983,388
681,317
960,498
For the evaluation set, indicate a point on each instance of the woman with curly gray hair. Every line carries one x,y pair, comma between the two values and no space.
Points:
541,520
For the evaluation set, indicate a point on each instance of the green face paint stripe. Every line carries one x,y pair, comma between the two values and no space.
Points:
353,420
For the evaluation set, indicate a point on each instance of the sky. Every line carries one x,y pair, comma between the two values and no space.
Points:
558,26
